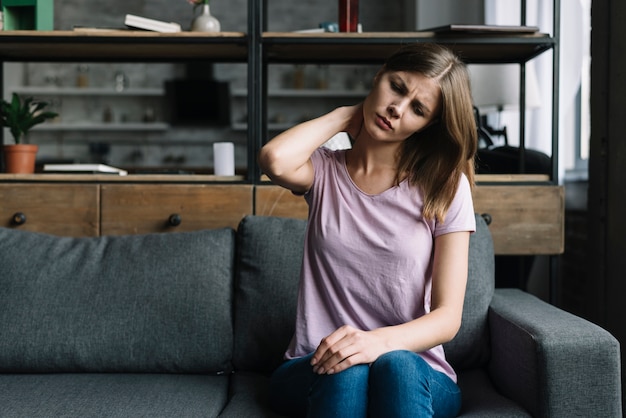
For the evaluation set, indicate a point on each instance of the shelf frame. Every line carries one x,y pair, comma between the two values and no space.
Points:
259,48
375,47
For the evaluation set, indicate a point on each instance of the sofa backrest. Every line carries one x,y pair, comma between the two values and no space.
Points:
140,303
269,254
471,346
268,260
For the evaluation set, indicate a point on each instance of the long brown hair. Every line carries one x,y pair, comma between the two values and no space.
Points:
435,158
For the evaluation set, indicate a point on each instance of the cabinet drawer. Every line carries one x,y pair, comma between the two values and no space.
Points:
59,209
144,208
525,219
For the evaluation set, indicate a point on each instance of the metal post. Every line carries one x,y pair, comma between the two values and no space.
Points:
2,167
257,121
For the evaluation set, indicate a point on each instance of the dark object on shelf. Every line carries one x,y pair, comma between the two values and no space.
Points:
505,159
198,102
483,29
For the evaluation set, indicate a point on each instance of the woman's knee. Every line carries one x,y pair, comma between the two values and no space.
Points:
400,362
354,378
340,394
402,382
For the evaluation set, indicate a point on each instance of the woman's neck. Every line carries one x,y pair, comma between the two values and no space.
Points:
367,155
372,167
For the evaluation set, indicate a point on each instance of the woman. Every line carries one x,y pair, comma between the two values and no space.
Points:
386,248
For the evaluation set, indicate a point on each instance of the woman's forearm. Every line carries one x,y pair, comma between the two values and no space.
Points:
435,328
285,155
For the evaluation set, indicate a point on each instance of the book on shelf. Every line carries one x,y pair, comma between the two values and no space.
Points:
83,168
485,29
140,22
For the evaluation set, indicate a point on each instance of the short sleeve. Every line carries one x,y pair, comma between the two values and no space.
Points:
460,215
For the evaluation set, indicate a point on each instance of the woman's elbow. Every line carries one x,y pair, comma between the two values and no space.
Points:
451,328
267,159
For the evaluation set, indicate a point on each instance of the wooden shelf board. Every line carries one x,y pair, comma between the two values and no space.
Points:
375,47
512,178
121,46
87,91
131,178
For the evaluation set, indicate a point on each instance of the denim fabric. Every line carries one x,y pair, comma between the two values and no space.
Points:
398,384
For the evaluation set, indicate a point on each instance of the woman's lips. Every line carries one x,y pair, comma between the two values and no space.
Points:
383,123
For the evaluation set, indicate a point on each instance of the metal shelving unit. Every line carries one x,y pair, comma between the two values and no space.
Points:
259,48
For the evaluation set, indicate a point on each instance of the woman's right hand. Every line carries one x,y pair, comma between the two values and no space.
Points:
355,121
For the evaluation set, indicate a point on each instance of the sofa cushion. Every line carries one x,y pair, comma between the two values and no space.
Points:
136,303
249,397
470,347
269,257
112,395
481,399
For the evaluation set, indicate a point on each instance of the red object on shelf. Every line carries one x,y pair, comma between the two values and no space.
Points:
348,15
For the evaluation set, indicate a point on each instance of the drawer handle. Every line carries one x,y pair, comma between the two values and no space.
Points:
18,218
175,219
487,217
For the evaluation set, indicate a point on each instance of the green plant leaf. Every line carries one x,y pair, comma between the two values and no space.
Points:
20,116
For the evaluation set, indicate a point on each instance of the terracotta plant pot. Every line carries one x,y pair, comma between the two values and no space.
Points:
20,158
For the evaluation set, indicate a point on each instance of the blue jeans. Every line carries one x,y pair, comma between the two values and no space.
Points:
397,384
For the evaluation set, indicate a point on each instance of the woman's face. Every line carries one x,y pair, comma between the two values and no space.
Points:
400,104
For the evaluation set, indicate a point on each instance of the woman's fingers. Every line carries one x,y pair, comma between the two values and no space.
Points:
322,352
339,350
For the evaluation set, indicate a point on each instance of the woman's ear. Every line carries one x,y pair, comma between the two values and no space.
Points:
377,77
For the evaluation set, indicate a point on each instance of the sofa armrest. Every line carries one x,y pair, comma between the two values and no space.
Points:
551,362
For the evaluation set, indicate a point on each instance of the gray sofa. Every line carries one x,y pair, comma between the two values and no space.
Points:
191,324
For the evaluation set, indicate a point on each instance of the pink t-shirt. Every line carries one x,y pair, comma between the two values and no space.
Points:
368,258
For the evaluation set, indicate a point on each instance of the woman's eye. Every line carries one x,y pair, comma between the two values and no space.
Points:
396,87
418,111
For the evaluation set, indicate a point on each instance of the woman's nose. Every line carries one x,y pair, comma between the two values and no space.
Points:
397,108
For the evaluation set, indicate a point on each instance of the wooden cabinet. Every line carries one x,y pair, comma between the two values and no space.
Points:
143,208
525,219
68,209
75,209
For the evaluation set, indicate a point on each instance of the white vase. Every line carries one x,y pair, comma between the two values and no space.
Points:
205,22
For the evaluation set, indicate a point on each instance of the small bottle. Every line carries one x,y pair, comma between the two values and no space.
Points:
107,115
148,115
121,81
82,75
322,77
298,77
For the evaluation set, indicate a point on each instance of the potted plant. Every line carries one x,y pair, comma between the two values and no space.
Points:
20,116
